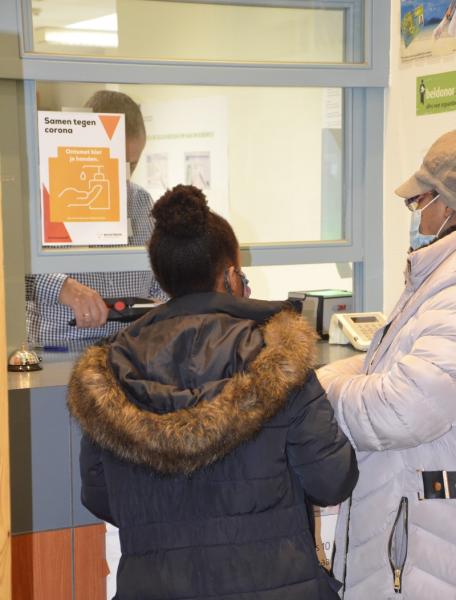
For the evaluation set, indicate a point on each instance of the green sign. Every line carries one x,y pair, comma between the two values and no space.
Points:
436,93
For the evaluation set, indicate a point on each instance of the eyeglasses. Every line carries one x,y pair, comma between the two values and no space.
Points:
243,278
413,203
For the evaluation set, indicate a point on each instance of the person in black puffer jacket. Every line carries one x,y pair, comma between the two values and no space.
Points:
207,435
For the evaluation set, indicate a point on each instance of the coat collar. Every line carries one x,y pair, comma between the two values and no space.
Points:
209,302
423,262
426,276
191,438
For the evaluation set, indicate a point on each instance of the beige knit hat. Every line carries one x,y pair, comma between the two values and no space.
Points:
437,172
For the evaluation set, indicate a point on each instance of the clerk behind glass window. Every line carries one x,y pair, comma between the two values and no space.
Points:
399,409
54,299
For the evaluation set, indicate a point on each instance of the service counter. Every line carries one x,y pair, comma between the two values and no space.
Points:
58,547
57,367
45,484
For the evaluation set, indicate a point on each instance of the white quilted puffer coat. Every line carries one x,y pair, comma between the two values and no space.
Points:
398,406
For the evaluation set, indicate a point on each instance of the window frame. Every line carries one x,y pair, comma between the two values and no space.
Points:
370,64
362,83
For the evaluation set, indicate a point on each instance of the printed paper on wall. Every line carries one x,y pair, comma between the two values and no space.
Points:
428,28
83,178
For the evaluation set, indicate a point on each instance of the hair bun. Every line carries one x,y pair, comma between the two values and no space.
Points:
181,212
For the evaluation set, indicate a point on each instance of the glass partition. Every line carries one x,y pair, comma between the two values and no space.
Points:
269,159
295,32
275,282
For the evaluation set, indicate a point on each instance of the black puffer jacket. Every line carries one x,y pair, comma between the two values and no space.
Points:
207,435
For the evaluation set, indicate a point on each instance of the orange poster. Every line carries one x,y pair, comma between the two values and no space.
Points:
84,185
83,178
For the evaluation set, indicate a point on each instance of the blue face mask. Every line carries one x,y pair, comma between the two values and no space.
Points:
417,239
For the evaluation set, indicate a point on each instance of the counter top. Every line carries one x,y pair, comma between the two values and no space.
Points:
328,353
53,374
56,369
57,366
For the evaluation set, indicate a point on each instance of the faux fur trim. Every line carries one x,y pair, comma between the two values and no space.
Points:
191,438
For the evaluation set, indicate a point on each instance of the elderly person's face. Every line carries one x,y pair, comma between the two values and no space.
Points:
434,212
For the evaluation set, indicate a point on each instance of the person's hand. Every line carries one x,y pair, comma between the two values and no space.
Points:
87,305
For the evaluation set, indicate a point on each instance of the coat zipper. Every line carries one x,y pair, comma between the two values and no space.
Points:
398,544
347,541
374,353
397,580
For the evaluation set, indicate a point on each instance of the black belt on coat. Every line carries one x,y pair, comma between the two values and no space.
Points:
439,484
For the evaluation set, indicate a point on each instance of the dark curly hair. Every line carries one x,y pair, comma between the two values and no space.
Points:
190,245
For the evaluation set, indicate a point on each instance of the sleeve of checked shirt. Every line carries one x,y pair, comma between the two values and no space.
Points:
44,288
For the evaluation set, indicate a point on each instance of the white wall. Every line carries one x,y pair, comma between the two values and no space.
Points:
407,137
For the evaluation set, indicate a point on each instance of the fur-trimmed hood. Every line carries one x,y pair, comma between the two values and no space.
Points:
192,437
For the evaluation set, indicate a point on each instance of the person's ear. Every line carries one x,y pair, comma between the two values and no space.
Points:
231,278
452,219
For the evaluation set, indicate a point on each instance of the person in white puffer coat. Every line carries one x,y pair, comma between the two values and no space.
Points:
396,536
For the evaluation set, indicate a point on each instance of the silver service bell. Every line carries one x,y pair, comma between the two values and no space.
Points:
24,359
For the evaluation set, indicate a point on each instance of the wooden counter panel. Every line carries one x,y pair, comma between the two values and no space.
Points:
41,566
90,566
